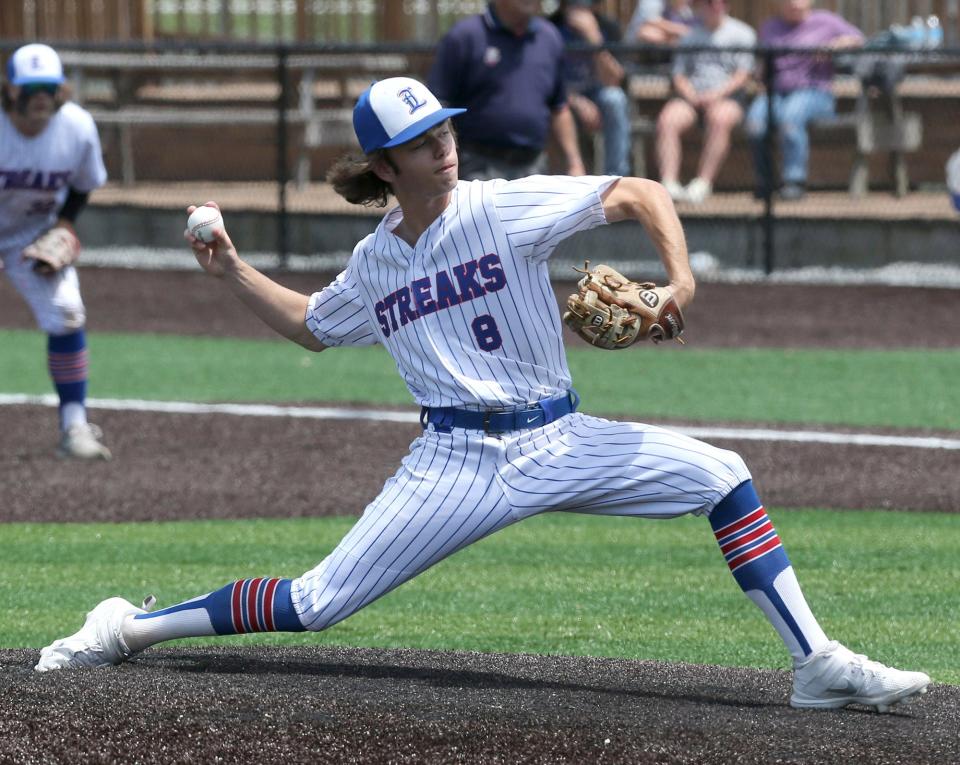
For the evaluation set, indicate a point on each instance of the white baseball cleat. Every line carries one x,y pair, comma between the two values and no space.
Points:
82,442
99,642
836,676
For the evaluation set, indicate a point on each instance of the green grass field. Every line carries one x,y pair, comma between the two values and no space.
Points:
843,387
883,582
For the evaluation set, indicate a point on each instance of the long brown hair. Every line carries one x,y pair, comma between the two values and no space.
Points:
353,178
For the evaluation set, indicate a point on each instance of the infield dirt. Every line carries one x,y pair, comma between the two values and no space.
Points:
341,705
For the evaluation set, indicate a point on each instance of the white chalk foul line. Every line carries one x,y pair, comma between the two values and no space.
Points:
379,415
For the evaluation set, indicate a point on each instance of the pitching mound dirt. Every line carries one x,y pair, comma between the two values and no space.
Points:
332,705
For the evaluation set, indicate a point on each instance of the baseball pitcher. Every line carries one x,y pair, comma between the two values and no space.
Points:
454,284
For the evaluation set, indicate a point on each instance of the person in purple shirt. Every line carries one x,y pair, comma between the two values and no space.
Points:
802,89
505,67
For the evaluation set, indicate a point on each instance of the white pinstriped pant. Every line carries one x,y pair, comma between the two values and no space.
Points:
455,488
54,298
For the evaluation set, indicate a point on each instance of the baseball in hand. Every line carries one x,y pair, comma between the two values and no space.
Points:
203,221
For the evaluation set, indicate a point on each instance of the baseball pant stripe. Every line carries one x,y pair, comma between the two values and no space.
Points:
412,555
359,554
449,517
648,440
365,534
454,541
395,564
618,481
608,487
428,531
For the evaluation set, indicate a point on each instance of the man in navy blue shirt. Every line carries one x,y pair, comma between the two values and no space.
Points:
505,66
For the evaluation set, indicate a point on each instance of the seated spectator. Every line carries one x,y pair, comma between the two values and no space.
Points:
504,66
660,22
594,81
802,89
709,85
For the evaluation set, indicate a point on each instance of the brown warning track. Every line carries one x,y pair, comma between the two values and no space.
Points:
349,705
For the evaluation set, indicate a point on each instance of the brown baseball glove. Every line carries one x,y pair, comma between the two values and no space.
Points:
610,311
53,250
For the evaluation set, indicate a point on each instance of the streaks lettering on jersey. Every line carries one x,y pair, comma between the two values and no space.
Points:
34,180
747,539
251,605
464,282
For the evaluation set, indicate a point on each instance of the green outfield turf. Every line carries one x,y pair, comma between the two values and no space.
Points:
882,582
902,388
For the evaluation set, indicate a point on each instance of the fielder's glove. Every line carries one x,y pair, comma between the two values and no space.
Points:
53,250
610,311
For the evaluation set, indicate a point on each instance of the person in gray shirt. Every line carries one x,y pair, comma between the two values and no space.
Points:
708,85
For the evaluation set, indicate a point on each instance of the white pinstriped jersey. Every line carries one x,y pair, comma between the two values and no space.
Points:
471,320
468,314
35,172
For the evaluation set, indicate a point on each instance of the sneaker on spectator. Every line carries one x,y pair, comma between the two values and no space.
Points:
791,192
82,441
836,676
675,190
698,190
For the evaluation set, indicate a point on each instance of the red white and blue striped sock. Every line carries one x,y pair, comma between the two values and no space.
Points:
247,605
67,363
756,557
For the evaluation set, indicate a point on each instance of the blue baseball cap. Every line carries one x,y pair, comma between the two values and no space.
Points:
34,64
395,110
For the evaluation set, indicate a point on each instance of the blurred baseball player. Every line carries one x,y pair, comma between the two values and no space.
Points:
454,284
50,161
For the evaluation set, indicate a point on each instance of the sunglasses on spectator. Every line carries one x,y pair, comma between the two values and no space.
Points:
50,88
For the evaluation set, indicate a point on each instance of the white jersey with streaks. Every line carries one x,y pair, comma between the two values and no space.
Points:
468,314
36,172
